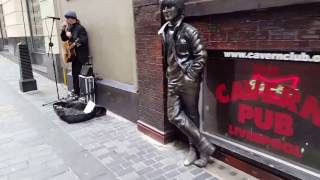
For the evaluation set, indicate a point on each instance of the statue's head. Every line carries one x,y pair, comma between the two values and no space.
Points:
172,9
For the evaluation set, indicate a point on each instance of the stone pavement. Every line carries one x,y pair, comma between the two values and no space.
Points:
36,144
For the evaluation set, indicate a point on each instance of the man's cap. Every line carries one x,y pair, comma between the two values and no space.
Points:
70,14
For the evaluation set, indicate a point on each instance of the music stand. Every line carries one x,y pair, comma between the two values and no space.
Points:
50,51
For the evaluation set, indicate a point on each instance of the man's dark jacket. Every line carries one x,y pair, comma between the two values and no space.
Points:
82,51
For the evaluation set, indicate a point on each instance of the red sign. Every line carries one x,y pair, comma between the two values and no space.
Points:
271,106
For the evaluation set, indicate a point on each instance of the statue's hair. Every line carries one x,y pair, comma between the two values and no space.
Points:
179,4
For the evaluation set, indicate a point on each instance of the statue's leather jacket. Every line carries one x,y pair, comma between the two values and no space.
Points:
188,51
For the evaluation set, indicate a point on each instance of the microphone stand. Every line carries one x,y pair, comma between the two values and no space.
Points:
50,51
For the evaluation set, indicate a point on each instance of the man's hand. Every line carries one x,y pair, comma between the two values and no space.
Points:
64,26
68,34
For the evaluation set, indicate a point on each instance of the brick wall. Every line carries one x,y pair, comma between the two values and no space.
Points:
283,28
152,85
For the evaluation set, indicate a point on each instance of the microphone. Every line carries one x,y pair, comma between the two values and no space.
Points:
55,18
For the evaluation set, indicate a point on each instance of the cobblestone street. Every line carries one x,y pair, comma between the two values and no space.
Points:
36,144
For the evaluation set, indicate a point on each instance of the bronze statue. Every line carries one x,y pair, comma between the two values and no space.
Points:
185,57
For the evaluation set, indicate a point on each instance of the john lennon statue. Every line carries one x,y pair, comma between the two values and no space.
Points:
185,57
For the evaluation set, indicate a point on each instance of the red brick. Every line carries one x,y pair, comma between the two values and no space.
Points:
245,45
264,35
309,35
145,66
297,23
151,117
152,104
247,26
283,45
283,35
237,36
315,45
269,25
221,36
227,27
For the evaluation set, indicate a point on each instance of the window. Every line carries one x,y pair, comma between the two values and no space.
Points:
265,106
34,12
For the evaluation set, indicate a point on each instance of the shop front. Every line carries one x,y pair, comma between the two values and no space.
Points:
261,87
265,106
260,97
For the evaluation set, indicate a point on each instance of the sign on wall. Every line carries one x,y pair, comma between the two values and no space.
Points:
272,106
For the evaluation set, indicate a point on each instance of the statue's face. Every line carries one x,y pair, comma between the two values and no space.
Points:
170,12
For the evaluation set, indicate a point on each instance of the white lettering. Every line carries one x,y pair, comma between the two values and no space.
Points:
274,56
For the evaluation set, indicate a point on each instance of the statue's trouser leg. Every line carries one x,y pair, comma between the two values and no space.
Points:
189,100
177,115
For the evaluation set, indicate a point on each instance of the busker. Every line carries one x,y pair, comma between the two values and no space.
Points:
75,34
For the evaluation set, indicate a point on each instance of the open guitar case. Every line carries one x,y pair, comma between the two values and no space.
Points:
72,111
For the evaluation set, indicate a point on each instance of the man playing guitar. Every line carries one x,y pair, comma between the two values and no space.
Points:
77,37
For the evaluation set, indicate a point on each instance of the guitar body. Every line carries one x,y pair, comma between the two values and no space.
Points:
69,53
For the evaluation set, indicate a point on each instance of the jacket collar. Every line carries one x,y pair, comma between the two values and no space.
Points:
167,23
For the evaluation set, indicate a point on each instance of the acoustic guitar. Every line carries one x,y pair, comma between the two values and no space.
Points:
70,52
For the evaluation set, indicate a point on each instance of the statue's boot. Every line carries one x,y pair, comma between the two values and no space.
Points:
191,156
204,147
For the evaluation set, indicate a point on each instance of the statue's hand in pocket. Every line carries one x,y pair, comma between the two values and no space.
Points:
189,78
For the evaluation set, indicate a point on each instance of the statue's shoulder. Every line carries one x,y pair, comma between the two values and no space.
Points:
189,29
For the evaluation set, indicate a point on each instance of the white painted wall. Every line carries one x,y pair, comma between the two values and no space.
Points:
110,26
